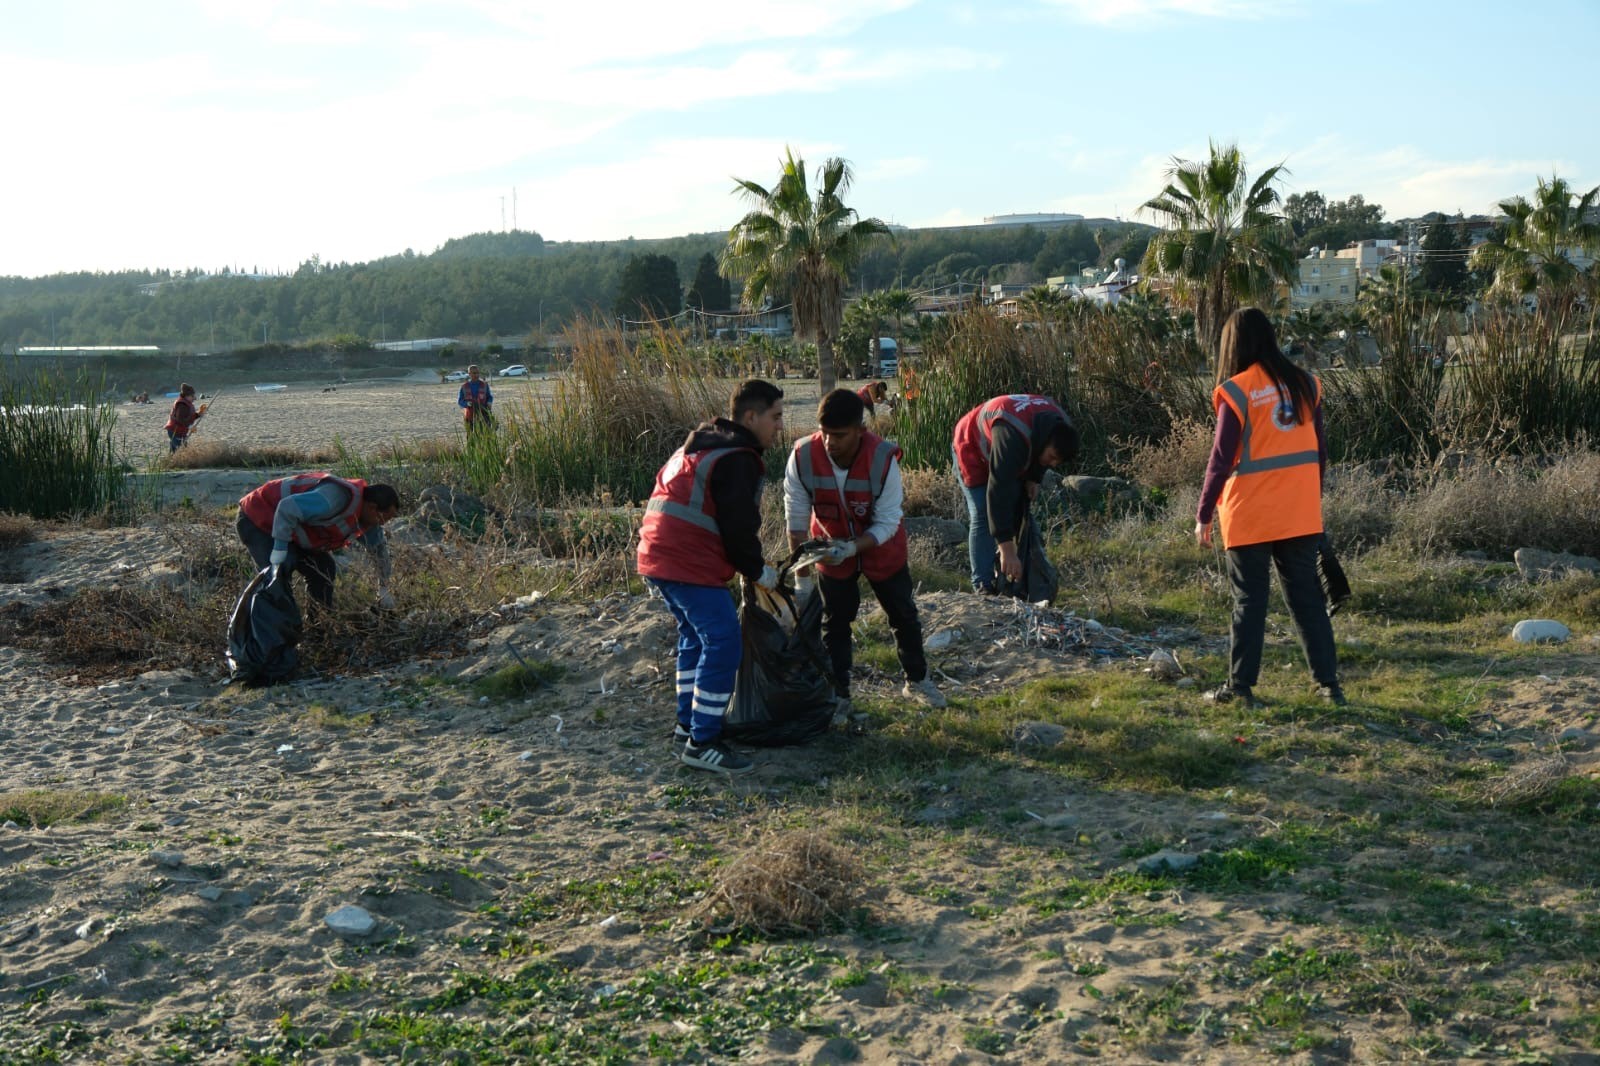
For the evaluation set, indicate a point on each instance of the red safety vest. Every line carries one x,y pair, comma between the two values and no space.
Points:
261,507
975,432
1275,490
847,516
865,392
182,418
476,393
680,539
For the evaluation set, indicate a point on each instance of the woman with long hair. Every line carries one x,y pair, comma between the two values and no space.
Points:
1264,483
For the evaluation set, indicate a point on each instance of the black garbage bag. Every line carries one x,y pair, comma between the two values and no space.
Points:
1039,581
264,629
1335,586
784,693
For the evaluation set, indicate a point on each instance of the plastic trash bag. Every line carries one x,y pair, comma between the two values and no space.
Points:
784,692
1039,582
1335,586
264,629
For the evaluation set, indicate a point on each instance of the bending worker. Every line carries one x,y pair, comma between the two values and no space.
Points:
1264,482
304,518
701,526
476,401
872,395
182,420
843,483
1002,449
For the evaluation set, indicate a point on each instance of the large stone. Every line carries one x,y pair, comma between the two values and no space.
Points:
1539,631
1039,735
351,920
443,503
1095,492
945,532
1535,564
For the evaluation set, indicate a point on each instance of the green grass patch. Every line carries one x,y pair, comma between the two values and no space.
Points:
40,808
518,681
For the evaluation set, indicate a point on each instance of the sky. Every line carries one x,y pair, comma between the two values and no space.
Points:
256,134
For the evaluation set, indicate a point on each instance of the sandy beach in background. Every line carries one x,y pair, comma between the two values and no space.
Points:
364,415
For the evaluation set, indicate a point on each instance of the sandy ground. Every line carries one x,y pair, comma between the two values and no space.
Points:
364,416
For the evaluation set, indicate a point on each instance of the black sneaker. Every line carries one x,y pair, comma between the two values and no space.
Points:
715,757
1229,693
680,737
1333,694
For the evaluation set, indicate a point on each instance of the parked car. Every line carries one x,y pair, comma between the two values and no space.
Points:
515,370
456,375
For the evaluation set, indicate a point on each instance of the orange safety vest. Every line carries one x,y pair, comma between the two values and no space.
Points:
974,436
261,507
1275,490
679,539
848,516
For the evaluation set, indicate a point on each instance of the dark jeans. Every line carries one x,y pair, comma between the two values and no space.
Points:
175,441
841,602
316,567
1296,562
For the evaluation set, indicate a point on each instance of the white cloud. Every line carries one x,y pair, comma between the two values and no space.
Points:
1141,14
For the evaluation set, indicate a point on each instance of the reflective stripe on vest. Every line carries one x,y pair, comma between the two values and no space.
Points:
346,523
1247,463
814,480
694,512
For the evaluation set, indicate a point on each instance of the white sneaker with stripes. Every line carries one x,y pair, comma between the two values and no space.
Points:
716,757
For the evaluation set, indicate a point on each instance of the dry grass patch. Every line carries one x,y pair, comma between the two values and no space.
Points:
932,493
1504,506
1172,462
15,530
794,884
209,454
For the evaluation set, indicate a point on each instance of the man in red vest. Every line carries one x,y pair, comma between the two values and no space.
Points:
872,395
305,518
843,484
701,526
1002,449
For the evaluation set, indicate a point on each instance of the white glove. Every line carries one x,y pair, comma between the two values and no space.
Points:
386,599
840,550
768,579
279,556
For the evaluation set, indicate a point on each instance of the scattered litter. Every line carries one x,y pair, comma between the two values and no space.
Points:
526,756
608,922
655,856
284,749
942,639
113,730
173,859
606,991
556,718
1164,666
1035,817
530,599
87,929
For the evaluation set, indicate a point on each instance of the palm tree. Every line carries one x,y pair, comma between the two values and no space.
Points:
1530,256
791,242
1226,238
899,303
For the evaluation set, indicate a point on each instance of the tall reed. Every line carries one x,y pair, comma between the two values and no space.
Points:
611,422
1123,382
57,454
1391,410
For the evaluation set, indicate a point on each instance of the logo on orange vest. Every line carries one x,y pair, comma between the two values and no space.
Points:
1283,417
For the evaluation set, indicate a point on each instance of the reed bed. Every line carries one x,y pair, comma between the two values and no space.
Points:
58,457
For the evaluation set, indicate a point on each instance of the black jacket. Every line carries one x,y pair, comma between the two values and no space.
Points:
736,483
1014,460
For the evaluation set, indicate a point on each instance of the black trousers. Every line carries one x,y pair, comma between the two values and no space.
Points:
317,568
841,602
1296,562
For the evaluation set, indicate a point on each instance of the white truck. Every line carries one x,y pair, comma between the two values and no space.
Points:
887,357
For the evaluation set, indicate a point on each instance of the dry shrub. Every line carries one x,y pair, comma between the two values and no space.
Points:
432,451
932,492
210,454
1503,507
105,633
1527,783
1358,507
1170,462
15,530
795,884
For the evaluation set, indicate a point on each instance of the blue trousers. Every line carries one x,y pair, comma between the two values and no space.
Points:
709,649
980,542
